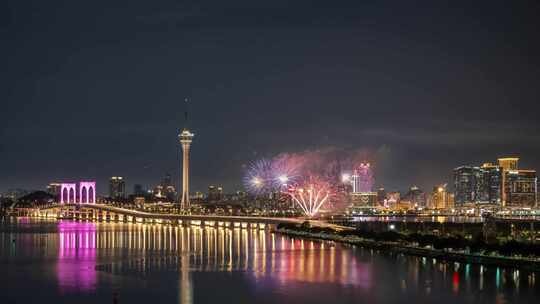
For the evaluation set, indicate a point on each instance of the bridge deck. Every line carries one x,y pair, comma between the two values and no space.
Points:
216,218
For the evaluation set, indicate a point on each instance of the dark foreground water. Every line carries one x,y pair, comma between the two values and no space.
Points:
71,262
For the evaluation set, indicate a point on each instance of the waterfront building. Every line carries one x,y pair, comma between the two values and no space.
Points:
414,198
508,163
215,194
440,198
393,199
117,187
158,192
381,196
364,199
502,184
520,188
168,189
198,195
54,189
492,183
465,180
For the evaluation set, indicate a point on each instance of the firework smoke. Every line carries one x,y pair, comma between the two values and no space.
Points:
310,178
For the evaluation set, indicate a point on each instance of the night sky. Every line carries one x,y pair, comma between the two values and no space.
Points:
92,89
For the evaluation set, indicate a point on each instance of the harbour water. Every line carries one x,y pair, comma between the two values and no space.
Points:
49,261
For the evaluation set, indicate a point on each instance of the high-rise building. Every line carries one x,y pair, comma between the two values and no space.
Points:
415,197
491,184
381,196
117,187
215,194
440,198
393,199
520,188
169,191
465,180
502,184
478,185
158,192
506,164
198,195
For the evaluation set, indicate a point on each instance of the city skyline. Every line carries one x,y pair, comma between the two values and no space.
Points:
448,89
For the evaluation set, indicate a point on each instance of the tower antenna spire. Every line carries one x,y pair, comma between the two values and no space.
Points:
186,113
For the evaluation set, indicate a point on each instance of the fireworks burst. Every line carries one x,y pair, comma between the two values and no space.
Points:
312,179
258,177
311,195
285,170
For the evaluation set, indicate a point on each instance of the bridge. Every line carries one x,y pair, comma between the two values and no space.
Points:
106,213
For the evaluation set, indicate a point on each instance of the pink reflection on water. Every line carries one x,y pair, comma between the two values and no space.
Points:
75,268
318,262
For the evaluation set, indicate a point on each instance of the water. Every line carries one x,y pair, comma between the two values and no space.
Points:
71,262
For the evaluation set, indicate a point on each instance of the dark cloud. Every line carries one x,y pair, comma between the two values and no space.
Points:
94,89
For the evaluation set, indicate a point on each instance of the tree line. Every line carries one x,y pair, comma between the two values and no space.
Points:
475,244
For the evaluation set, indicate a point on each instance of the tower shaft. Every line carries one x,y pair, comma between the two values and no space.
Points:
185,176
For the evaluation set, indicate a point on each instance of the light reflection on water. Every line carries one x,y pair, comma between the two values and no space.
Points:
92,257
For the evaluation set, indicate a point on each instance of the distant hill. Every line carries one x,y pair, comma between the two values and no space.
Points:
36,198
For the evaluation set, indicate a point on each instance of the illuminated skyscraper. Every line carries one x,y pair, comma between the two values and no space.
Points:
479,185
440,198
117,187
168,189
497,184
506,164
492,176
520,188
215,194
381,196
465,178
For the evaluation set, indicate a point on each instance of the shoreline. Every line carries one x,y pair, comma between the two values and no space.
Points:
395,247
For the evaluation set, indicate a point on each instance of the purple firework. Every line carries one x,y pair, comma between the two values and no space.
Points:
259,178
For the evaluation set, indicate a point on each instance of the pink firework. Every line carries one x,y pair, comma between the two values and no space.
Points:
311,194
286,169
